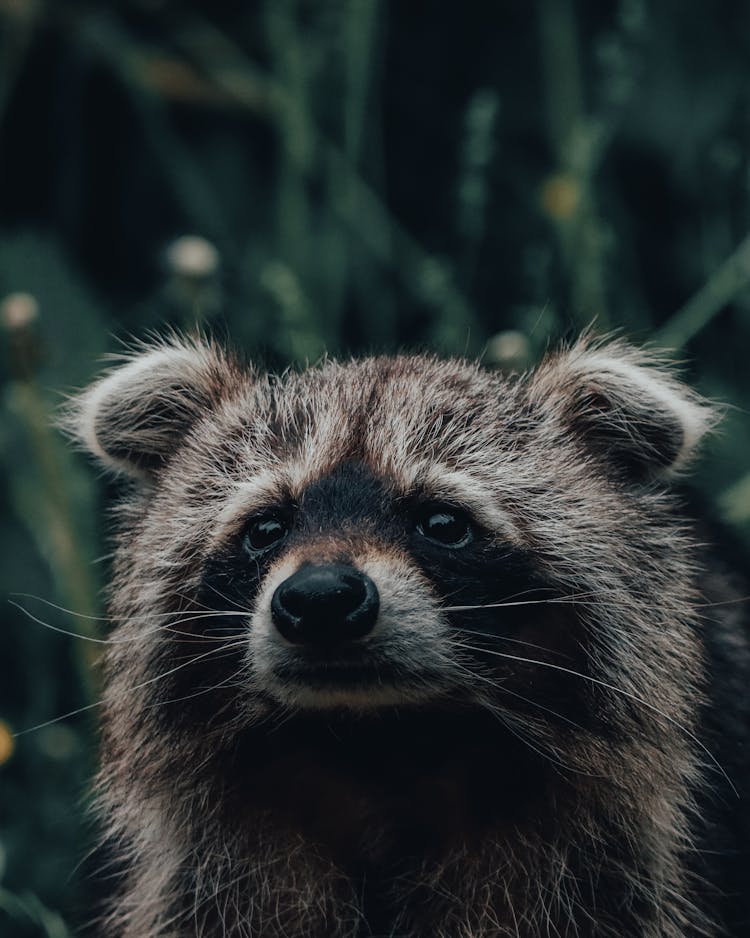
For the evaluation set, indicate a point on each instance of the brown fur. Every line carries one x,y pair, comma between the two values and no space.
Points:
232,822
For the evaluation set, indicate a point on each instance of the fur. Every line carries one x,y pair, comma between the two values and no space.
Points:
528,751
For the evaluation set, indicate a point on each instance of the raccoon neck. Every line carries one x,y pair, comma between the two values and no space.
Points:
351,828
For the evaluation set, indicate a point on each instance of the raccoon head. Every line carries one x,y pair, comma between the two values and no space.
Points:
397,532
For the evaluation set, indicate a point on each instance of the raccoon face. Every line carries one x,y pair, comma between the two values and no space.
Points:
360,587
395,531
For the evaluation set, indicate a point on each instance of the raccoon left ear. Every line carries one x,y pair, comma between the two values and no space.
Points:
623,403
138,414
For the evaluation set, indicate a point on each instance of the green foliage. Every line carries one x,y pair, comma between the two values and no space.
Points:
355,176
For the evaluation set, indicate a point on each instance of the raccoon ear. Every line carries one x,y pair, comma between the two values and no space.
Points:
134,417
625,404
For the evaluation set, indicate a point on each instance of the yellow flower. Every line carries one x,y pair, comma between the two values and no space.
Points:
7,743
559,196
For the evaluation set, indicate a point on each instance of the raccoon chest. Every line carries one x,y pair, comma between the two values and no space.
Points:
379,799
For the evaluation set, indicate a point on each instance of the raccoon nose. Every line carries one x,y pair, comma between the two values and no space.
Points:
323,604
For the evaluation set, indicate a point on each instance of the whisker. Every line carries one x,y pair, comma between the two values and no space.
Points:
615,689
515,641
539,706
599,598
572,598
227,682
189,617
207,610
58,629
226,599
509,722
64,716
469,672
724,602
130,689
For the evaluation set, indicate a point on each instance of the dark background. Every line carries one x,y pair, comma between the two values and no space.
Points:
480,178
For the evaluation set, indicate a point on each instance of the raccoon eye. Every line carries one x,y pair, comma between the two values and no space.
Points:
264,532
445,525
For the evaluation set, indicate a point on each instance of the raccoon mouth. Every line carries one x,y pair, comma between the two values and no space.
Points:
336,673
341,682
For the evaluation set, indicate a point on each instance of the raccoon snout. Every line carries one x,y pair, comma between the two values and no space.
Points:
325,604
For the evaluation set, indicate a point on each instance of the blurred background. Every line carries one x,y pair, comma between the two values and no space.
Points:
342,176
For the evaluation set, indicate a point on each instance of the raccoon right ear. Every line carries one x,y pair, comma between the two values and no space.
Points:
624,404
134,417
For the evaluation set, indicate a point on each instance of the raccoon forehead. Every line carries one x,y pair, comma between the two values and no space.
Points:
417,425
401,418
382,405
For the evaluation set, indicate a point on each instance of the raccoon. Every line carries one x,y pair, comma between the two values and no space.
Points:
407,648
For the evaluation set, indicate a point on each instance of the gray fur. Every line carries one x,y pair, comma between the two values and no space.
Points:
573,462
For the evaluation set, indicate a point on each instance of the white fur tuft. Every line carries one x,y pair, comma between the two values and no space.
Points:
695,417
171,379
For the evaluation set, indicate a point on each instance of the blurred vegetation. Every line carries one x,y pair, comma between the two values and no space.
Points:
338,175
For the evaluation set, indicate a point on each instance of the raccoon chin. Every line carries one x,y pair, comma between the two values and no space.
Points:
358,688
336,699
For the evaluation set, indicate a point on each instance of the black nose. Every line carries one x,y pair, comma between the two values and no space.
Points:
324,604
